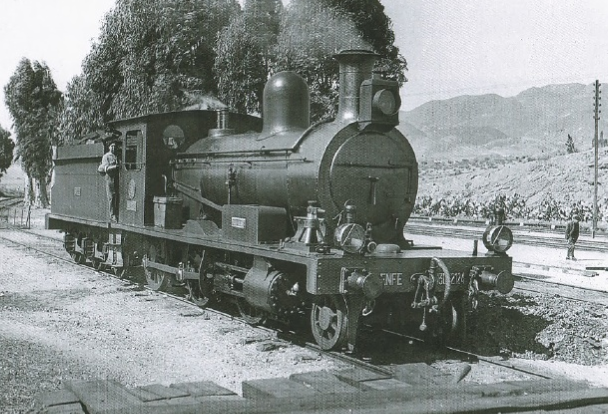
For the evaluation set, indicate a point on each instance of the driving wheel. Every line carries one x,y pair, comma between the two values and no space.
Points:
328,321
98,264
156,279
119,271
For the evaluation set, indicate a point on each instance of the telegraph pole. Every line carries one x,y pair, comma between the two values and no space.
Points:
597,105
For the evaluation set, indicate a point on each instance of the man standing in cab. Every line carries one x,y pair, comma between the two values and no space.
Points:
109,168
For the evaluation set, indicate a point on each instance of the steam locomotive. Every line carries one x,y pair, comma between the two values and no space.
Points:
288,219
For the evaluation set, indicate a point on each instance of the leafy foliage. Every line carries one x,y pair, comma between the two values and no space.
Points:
6,150
304,40
162,55
244,55
82,110
375,28
151,52
34,103
240,80
312,31
570,149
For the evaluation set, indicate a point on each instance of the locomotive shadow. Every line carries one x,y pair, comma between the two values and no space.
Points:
500,328
503,326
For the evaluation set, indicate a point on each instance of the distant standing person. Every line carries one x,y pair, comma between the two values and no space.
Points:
572,231
109,167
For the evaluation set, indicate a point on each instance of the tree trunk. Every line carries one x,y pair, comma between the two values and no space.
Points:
50,182
41,199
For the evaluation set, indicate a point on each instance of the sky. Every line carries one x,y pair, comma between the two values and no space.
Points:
453,47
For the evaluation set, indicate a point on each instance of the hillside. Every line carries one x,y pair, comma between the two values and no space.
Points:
565,181
566,177
13,180
535,122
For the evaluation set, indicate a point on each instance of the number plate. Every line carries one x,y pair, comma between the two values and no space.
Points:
456,279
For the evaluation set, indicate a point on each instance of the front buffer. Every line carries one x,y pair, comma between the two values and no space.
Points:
428,290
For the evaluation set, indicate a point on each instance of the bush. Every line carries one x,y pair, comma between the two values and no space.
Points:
514,206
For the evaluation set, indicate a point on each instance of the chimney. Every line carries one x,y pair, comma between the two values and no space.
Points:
355,67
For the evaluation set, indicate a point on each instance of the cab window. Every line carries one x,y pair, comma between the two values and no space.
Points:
173,137
133,150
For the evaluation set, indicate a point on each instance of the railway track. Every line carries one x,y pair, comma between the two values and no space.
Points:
52,247
535,285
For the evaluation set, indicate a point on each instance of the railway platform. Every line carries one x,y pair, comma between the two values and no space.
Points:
543,254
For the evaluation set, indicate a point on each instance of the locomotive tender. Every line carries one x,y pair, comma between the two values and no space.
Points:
289,219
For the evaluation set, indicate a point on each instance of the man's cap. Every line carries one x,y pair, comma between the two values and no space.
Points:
576,217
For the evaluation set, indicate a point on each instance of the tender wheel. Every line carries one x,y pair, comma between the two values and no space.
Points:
156,279
251,314
98,264
328,321
77,257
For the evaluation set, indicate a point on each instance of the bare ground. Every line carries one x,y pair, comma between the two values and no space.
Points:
59,322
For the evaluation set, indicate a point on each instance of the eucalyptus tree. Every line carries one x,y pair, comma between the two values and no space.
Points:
311,33
34,104
244,55
154,55
82,110
375,28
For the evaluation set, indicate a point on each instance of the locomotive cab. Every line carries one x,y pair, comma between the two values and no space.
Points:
149,143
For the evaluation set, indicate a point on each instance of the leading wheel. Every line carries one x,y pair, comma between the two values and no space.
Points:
328,321
449,328
251,314
156,279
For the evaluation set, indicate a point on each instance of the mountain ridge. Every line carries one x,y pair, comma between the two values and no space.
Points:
536,121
